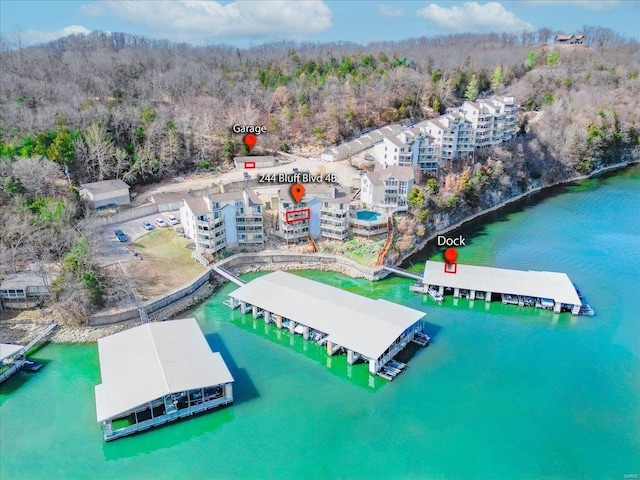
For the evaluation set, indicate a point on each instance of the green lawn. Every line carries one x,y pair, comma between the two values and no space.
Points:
166,261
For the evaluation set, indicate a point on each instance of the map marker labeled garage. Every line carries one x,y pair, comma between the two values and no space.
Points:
297,192
250,140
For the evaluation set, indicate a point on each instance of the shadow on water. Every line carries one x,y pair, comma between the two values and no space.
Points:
168,435
243,388
15,381
356,374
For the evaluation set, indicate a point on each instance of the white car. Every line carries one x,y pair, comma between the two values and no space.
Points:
173,220
160,222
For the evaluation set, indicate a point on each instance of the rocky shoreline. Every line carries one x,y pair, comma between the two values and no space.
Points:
452,228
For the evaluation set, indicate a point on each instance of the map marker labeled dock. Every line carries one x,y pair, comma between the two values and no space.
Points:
450,255
297,192
250,140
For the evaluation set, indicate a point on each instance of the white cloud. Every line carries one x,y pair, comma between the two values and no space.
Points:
473,17
198,21
588,4
389,11
34,37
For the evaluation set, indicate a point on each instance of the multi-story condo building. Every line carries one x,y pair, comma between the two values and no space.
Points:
224,220
323,211
432,143
493,120
387,188
394,151
334,214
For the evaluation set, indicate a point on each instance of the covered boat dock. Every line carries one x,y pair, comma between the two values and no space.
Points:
372,330
551,290
156,373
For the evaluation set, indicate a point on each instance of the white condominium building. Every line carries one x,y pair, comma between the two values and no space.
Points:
387,188
224,220
432,143
323,211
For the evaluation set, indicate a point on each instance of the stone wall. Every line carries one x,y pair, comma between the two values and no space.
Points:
128,214
110,317
315,261
241,263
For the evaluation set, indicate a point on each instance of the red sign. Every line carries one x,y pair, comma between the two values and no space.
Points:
306,214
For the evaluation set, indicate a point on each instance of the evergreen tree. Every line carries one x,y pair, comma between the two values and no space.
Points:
472,91
497,79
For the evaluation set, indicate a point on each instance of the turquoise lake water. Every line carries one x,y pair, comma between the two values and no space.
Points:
507,392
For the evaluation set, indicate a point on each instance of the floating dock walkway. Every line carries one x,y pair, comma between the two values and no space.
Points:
228,275
551,290
402,272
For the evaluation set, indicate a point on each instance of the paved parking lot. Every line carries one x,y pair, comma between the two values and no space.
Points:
113,250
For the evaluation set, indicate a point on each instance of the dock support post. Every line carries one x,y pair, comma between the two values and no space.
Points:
254,311
441,290
267,317
243,307
456,293
487,297
472,294
292,325
351,357
575,310
372,366
228,391
305,333
278,321
329,348
556,307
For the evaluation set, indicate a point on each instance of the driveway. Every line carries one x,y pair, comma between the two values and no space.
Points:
346,175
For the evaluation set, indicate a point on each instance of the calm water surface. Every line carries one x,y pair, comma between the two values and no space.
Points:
503,392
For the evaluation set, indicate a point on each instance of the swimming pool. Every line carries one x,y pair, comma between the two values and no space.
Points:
367,215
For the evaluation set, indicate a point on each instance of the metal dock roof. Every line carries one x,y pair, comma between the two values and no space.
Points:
9,349
352,321
147,362
554,285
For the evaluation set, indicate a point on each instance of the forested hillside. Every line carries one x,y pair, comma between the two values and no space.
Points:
107,106
116,105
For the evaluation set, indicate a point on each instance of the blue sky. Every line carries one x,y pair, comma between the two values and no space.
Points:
246,22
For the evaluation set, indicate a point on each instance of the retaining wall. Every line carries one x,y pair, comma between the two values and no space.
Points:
307,260
129,214
326,260
130,313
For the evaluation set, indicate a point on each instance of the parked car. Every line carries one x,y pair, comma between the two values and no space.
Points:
160,222
120,235
173,220
147,226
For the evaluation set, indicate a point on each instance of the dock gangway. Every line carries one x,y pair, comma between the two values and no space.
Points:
50,328
228,275
401,272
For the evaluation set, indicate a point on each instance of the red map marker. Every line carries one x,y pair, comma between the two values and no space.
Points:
297,192
250,140
450,255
